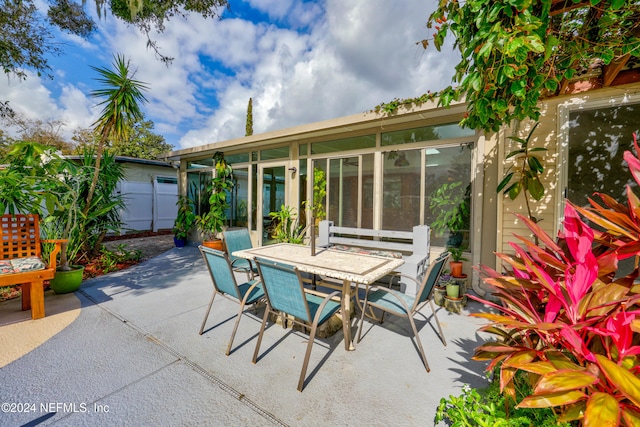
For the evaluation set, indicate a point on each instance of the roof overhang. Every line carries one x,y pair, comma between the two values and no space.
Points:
371,120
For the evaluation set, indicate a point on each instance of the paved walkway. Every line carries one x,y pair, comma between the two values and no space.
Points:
133,356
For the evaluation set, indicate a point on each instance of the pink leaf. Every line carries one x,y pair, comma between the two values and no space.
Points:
575,343
579,236
633,161
579,283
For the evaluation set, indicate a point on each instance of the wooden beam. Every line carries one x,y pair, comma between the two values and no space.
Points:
611,71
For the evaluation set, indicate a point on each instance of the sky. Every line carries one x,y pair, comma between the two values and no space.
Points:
300,61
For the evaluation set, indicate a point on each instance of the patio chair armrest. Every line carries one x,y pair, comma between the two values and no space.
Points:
395,294
324,302
397,274
251,288
322,294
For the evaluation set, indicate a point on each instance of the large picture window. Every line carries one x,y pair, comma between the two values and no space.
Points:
440,178
598,138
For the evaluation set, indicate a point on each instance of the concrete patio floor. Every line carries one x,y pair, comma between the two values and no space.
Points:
133,356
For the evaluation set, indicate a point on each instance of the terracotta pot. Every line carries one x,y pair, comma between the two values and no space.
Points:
214,244
456,268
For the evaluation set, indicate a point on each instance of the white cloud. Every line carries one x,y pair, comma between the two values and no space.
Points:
311,61
360,53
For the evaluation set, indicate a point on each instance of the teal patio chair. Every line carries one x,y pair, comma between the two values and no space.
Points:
286,294
237,240
224,283
403,305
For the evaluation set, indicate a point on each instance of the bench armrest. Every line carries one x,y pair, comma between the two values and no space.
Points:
54,253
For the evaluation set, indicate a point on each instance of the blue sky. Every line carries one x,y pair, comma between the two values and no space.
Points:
300,61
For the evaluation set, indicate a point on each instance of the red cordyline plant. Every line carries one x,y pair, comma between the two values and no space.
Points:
566,320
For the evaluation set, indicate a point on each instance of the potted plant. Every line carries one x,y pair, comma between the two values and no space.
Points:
440,289
185,219
67,181
211,223
452,202
456,261
286,226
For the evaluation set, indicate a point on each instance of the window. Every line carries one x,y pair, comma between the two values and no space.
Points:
167,180
197,190
237,158
275,153
349,186
240,198
598,138
425,133
353,143
447,178
401,189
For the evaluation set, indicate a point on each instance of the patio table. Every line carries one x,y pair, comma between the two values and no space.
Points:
351,268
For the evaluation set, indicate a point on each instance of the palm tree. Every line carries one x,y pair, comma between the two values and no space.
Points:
121,98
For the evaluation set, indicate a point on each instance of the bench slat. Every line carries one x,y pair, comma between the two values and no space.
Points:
387,234
376,244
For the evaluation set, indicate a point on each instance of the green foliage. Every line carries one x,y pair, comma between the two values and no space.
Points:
286,227
21,191
249,124
456,254
489,408
109,260
103,213
45,132
120,96
452,202
523,176
515,51
319,194
212,222
140,142
564,317
185,218
39,181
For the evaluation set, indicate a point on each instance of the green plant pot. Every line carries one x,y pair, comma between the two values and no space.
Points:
453,291
67,281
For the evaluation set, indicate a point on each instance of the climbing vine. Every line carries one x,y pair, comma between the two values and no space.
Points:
515,51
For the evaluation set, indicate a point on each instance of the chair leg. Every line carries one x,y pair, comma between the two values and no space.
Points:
235,328
364,307
444,341
415,333
267,310
305,364
206,316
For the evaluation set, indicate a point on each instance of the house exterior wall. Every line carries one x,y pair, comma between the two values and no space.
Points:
550,134
493,222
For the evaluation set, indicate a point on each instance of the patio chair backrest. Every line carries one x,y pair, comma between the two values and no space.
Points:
284,289
237,240
221,272
431,278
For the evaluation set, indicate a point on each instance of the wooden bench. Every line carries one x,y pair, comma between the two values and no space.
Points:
412,246
20,244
